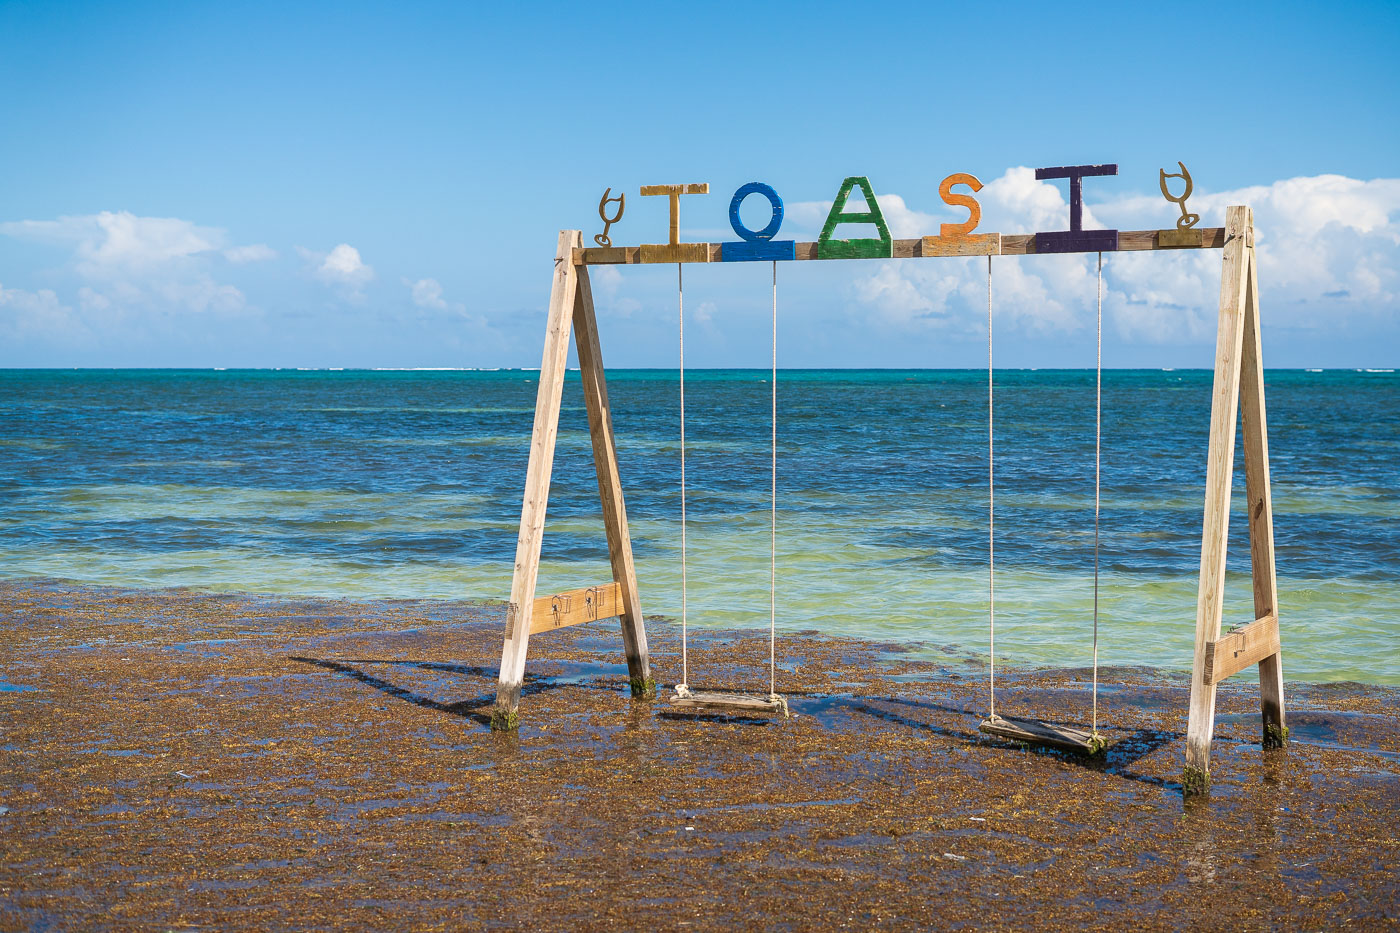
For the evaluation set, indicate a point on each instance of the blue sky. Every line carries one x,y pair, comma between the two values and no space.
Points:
251,184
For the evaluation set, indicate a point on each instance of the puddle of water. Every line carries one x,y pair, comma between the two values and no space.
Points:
581,671
1342,731
6,687
924,677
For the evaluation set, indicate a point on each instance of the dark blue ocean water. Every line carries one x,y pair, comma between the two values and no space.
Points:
400,483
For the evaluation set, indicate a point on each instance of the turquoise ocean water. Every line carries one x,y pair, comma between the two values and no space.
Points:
407,484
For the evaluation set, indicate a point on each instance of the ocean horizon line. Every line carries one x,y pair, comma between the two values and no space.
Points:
1377,370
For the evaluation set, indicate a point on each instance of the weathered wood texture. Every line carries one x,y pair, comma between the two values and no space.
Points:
1077,241
676,190
600,432
1036,732
732,703
575,607
965,244
1220,463
520,609
1167,239
1012,244
675,250
1235,650
1261,508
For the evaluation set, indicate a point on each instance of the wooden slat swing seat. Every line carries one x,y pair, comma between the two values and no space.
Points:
729,703
1035,731
706,701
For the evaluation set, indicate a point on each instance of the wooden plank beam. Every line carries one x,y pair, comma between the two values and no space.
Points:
1237,649
574,607
1012,244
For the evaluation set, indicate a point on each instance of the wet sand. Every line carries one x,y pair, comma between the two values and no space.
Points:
191,761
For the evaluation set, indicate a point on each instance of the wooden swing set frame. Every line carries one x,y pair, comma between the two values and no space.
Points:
1238,388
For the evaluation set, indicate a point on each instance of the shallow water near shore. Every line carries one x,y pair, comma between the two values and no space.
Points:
407,485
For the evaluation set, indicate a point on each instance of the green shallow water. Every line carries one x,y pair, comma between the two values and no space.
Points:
373,485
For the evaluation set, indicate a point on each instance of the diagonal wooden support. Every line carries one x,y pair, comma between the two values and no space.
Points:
542,439
1261,509
600,431
1239,382
570,301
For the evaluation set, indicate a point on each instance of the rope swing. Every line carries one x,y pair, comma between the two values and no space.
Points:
1033,731
733,703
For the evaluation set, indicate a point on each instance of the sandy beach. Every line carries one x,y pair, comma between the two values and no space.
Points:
189,761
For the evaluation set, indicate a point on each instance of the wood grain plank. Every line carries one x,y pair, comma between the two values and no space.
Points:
1077,241
575,607
1175,239
654,190
968,244
673,252
1235,650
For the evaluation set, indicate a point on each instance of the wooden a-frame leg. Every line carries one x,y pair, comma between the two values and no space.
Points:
600,430
527,548
1261,508
1220,464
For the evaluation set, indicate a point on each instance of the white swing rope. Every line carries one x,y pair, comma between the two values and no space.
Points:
991,521
1098,449
991,509
773,502
773,513
680,299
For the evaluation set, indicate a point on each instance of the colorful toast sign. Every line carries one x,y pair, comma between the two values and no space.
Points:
953,239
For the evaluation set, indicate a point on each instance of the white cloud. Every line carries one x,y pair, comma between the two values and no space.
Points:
341,268
254,252
26,315
91,300
1324,242
114,244
427,293
137,262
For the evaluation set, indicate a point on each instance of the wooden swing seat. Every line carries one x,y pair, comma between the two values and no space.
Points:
1035,732
737,704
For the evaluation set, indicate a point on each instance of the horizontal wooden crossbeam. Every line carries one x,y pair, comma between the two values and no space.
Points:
574,607
1234,651
1012,244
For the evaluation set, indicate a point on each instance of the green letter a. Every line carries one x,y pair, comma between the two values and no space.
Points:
881,248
